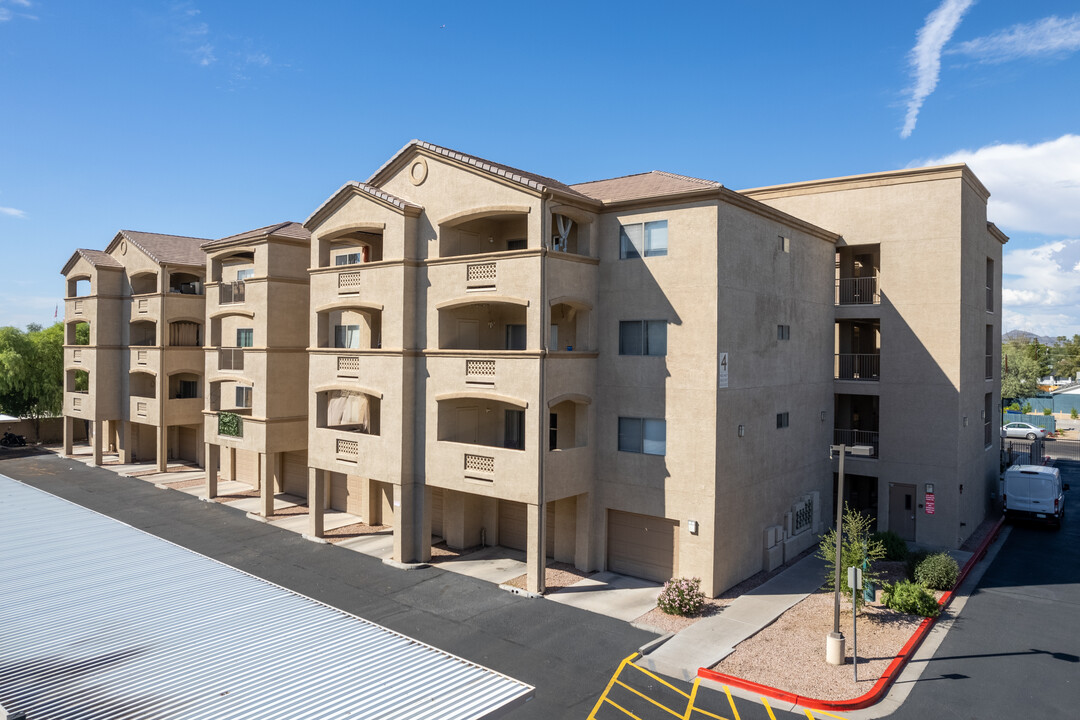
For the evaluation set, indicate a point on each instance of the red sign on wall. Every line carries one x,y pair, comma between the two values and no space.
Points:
929,503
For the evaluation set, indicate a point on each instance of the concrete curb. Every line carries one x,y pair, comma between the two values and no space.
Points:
892,672
653,644
519,591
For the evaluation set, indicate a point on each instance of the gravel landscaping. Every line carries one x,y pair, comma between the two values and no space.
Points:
556,576
347,532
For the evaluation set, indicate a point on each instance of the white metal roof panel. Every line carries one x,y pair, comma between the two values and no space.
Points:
101,620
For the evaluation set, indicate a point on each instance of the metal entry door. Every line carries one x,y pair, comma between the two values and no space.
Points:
902,510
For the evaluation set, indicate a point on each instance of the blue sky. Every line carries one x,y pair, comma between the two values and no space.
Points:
208,119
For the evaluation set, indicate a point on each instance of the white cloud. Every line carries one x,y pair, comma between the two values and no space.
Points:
13,212
192,35
1033,188
6,14
1041,290
1051,36
925,57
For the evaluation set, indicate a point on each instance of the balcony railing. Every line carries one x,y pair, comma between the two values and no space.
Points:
842,436
989,367
232,292
989,299
230,359
857,291
857,366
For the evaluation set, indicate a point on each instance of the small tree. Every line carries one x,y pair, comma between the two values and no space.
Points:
1047,411
1074,414
857,545
1026,408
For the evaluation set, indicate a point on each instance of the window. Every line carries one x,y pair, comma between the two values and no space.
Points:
781,420
515,337
515,429
643,435
243,396
648,239
242,275
785,244
245,337
643,337
353,257
989,285
188,389
553,434
783,332
517,244
347,336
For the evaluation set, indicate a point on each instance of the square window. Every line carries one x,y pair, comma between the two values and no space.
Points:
648,239
347,336
643,435
781,420
643,337
242,275
243,396
783,332
245,337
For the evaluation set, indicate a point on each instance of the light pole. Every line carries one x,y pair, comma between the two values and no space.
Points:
834,643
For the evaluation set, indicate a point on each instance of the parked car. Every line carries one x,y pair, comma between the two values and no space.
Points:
1023,430
1034,491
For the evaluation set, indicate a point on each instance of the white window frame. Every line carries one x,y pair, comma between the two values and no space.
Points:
647,243
243,396
350,334
645,347
244,274
647,436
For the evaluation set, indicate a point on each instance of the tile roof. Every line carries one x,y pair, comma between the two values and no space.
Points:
167,249
286,229
528,179
656,183
381,194
97,258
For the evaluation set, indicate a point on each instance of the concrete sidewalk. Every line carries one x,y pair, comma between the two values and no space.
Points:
710,640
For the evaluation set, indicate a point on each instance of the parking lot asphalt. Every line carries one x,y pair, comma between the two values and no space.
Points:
566,653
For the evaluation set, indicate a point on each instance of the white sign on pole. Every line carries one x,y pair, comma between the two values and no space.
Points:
721,377
854,577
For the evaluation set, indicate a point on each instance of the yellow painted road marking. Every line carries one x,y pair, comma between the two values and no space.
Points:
731,702
620,707
603,695
693,694
765,702
823,712
646,697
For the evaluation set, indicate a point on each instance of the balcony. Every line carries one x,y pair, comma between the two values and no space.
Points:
989,367
183,411
853,438
230,358
507,473
230,425
231,293
857,366
143,410
857,291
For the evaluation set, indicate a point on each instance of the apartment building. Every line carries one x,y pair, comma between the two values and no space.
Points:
133,358
917,326
256,361
643,374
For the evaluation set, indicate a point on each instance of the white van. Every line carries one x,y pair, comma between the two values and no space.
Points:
1034,491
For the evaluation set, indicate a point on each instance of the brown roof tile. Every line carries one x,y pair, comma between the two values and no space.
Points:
286,229
98,258
166,249
656,183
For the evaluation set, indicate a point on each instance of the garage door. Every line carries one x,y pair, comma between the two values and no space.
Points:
436,511
295,473
641,545
513,524
188,446
247,467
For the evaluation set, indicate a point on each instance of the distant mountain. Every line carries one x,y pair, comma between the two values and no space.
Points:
1029,336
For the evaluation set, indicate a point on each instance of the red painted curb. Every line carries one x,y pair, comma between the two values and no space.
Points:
891,672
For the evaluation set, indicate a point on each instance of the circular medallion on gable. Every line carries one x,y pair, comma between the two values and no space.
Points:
418,171
123,247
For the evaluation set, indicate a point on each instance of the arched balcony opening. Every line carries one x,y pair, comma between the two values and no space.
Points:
568,423
350,328
142,385
482,421
231,271
143,333
77,381
348,411
483,326
354,248
144,283
569,235
185,333
235,396
185,283
184,385
491,232
570,327
77,333
79,286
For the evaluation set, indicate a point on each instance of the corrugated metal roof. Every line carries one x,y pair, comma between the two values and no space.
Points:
100,620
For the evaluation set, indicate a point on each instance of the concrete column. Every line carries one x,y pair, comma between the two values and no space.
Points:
407,539
123,447
69,435
316,492
267,475
535,555
366,505
454,519
162,433
230,462
213,454
96,429
582,556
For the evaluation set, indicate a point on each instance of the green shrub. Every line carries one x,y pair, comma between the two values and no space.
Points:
681,596
856,546
911,598
913,560
230,424
895,547
938,572
1047,411
1014,406
1026,408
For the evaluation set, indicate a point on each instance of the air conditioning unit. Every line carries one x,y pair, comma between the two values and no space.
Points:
863,450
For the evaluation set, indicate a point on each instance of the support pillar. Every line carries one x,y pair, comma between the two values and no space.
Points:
405,541
267,476
535,549
69,435
162,432
96,441
213,455
316,493
582,554
123,447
